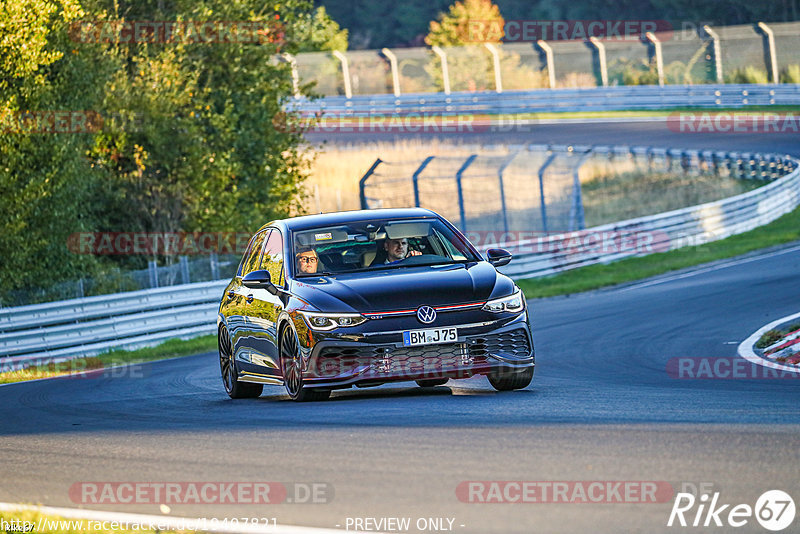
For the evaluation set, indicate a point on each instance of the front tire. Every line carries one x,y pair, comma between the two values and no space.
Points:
507,380
292,368
227,366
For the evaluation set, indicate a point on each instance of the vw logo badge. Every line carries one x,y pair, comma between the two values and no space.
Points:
426,314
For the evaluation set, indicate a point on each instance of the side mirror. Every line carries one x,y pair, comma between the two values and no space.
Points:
259,279
498,256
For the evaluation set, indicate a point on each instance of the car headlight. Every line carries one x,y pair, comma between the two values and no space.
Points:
512,304
329,321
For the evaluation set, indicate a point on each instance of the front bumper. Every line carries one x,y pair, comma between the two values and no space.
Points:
336,362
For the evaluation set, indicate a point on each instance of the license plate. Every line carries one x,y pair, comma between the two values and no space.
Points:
430,336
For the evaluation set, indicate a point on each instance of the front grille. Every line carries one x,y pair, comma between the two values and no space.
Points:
511,343
373,361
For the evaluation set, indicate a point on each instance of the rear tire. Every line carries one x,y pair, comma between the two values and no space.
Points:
432,382
507,380
227,366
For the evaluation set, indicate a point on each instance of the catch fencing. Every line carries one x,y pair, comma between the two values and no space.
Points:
690,55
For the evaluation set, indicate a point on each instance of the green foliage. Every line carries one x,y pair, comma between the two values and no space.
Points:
769,337
453,27
631,72
187,143
790,74
748,74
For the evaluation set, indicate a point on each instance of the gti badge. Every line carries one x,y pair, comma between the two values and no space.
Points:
426,314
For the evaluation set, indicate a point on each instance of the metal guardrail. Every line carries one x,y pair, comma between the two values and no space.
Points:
642,97
92,325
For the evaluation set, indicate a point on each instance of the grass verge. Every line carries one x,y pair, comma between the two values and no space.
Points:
783,230
169,349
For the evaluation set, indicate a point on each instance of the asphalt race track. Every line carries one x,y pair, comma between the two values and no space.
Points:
602,407
605,405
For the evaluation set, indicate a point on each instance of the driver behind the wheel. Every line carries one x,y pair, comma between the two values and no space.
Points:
397,249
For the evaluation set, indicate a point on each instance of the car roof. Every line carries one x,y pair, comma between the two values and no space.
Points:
305,222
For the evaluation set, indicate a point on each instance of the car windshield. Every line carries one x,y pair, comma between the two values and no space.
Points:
377,244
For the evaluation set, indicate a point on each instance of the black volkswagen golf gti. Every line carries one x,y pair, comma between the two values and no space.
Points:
363,298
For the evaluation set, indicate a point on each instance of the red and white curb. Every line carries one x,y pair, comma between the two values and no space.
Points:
163,522
746,351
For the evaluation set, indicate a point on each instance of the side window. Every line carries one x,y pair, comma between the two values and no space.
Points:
273,257
250,259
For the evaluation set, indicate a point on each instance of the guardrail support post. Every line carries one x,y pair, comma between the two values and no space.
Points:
445,73
548,61
290,59
498,78
600,51
716,52
213,260
362,183
654,51
542,203
415,178
348,88
184,266
770,56
395,70
459,173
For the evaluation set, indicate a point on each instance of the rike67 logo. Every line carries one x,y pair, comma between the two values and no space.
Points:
774,510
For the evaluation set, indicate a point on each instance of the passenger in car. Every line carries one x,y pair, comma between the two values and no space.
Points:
307,260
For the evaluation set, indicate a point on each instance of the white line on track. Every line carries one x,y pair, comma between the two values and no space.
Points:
746,351
174,523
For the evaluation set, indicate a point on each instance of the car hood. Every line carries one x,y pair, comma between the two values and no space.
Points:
404,288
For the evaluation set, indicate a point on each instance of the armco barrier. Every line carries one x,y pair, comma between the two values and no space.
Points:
642,97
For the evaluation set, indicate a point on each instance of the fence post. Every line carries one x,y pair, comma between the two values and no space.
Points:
184,266
348,89
290,59
213,260
415,178
716,51
549,63
459,173
361,184
500,171
395,70
600,51
152,271
654,51
576,215
770,56
498,78
445,73
542,203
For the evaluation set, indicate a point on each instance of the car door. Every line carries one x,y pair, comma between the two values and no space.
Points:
239,321
264,308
